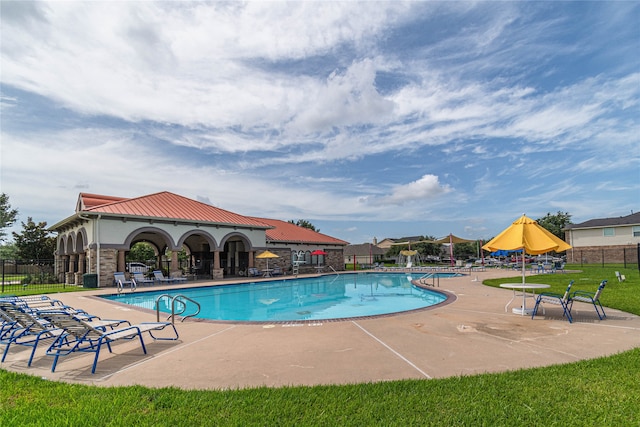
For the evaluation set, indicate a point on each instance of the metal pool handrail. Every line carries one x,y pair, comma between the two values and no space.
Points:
177,298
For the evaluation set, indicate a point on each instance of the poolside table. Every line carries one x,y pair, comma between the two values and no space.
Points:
523,310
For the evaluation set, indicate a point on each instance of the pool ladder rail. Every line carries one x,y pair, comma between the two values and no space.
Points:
176,299
435,278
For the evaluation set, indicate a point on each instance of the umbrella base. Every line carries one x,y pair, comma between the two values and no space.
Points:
521,311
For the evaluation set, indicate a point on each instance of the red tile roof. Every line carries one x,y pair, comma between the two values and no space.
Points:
165,205
284,231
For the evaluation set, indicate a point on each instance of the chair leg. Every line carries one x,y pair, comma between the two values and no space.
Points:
596,304
95,359
567,313
535,309
55,361
6,350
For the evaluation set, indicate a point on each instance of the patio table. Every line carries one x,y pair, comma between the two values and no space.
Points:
522,286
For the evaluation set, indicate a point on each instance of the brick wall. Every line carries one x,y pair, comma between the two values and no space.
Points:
603,254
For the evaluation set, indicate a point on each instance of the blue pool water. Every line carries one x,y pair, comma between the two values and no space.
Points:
316,298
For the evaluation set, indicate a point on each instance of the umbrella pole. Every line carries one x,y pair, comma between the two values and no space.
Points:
451,249
524,295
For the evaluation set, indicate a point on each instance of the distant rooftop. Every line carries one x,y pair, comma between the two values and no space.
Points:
633,219
287,232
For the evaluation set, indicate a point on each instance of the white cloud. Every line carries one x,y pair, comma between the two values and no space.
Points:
426,187
314,108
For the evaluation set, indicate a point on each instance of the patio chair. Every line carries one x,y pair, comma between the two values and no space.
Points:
277,271
159,277
590,298
121,281
140,279
253,272
81,336
557,299
30,328
34,301
33,304
177,277
620,277
559,266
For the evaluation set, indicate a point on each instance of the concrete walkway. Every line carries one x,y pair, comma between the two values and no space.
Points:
471,335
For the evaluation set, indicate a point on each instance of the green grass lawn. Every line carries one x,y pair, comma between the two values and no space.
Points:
598,392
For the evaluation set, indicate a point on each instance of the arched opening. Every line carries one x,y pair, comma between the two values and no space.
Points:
234,258
198,258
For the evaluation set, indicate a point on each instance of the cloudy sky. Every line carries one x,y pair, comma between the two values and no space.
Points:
371,119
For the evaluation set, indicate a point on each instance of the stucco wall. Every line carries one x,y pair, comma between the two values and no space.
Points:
595,237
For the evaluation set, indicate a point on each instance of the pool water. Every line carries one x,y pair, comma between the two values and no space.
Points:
317,298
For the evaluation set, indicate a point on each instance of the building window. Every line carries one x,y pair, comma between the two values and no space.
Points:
636,231
609,232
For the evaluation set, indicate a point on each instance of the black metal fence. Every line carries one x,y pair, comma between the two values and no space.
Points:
20,275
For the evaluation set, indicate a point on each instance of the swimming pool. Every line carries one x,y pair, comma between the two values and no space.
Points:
315,298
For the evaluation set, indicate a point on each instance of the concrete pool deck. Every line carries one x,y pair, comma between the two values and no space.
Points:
471,335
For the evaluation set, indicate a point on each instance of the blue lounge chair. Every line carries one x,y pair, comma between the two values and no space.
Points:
81,336
30,328
590,298
557,299
141,280
254,272
159,277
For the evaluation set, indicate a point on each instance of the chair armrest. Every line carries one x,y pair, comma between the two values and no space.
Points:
582,294
551,294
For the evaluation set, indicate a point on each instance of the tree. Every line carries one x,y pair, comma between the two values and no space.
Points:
555,223
8,251
423,248
305,224
7,215
34,242
141,252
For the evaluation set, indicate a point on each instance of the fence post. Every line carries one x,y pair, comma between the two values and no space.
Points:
2,276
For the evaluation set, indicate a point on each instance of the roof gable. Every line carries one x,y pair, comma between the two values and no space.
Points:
164,205
284,231
87,201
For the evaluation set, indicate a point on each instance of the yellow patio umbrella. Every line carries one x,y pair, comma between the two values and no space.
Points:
525,233
266,255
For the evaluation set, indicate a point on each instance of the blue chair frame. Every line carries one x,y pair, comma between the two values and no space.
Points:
553,298
590,298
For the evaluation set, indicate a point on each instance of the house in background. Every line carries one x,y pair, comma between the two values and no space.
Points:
384,243
388,242
612,240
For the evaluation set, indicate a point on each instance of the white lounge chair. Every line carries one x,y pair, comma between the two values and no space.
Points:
29,328
81,336
140,279
121,280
